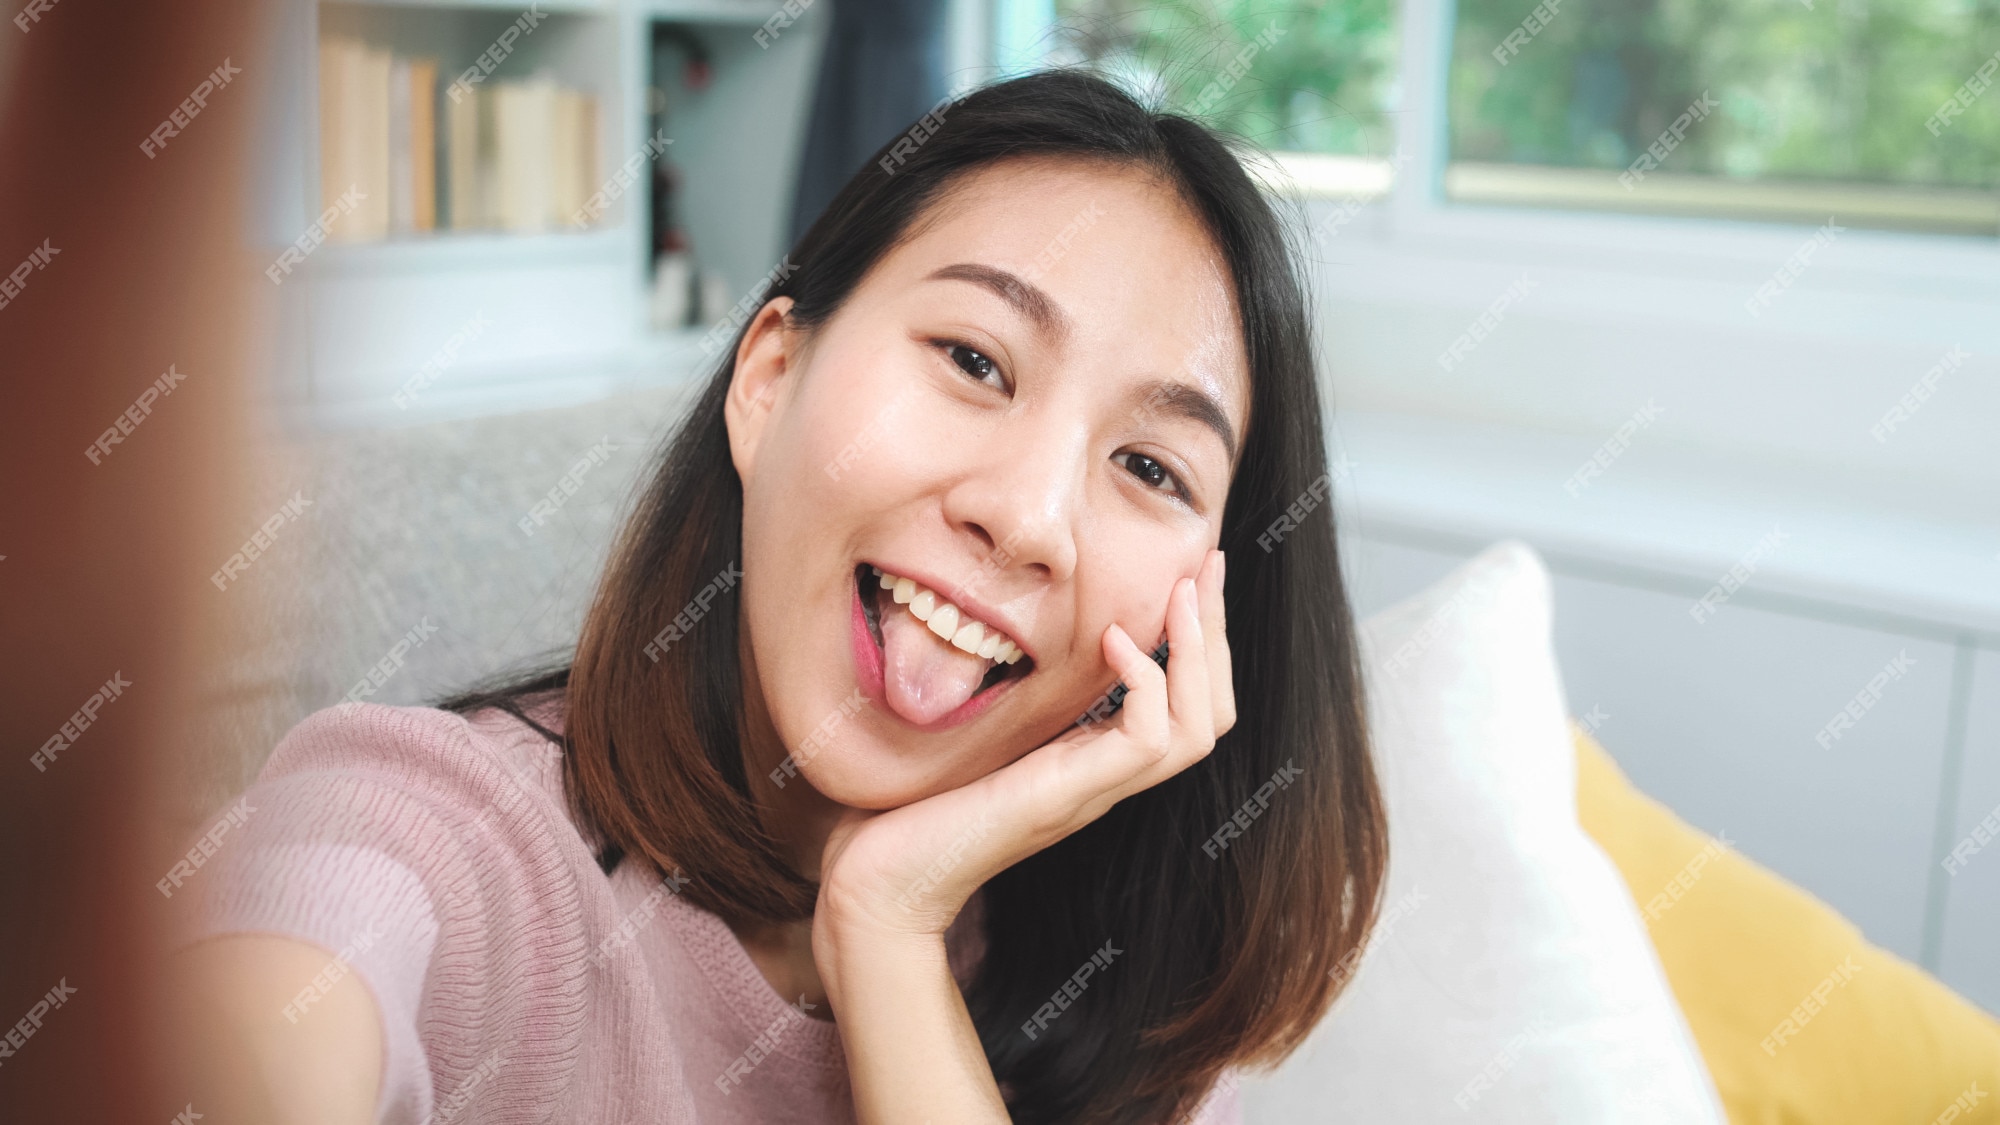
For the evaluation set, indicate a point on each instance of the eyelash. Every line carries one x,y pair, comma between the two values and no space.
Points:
1179,488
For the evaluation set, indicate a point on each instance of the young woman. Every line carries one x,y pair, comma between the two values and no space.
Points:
832,817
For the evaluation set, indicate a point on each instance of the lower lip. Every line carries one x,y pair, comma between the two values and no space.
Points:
868,674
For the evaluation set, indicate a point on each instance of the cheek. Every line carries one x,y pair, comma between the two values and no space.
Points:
1135,580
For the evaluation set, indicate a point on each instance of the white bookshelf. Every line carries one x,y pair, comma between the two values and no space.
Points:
565,309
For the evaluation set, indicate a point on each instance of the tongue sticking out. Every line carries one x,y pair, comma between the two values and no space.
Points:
924,676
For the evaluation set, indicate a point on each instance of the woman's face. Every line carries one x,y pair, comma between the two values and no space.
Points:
1030,408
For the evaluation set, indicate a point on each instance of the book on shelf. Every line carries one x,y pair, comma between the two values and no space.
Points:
515,155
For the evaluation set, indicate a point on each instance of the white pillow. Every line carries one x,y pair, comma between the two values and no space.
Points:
1510,978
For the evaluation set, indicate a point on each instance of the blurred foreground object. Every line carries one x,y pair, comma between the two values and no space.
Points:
123,346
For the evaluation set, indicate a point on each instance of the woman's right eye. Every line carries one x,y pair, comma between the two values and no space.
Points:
969,360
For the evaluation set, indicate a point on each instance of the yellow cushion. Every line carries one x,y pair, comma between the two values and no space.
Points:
1745,951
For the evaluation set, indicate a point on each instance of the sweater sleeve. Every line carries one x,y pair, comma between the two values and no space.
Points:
429,864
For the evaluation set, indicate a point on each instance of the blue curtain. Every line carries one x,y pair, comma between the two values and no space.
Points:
882,69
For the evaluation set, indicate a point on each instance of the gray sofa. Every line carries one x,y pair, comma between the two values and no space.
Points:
415,535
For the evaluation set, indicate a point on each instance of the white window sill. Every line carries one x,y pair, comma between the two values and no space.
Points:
1673,519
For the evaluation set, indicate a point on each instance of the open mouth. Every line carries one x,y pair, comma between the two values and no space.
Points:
882,595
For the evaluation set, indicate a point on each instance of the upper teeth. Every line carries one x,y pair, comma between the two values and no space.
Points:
948,621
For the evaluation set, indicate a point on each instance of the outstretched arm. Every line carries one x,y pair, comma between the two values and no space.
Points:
245,1062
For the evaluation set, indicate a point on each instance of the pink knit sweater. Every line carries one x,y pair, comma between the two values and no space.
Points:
433,857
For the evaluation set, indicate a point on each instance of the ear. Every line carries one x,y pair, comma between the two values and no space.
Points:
763,370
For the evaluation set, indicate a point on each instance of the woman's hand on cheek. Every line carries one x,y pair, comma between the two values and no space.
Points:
909,870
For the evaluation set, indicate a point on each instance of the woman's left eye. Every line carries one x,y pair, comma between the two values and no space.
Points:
1151,471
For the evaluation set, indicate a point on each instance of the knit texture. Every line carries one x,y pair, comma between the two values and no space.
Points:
432,855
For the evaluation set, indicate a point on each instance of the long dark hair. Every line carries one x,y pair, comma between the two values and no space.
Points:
1230,943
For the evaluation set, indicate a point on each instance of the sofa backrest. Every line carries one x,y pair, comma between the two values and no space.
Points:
427,537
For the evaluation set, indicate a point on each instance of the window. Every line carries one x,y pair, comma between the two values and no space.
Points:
1316,78
1876,112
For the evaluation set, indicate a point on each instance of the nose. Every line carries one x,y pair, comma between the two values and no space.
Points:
1019,502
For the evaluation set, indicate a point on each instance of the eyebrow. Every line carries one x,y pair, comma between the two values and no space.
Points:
1189,402
1026,298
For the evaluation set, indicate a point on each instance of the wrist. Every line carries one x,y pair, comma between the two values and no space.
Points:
853,948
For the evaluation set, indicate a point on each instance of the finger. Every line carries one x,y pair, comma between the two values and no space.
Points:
1105,765
1188,701
1143,718
1215,639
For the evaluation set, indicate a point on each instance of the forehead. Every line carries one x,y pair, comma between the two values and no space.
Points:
1145,288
